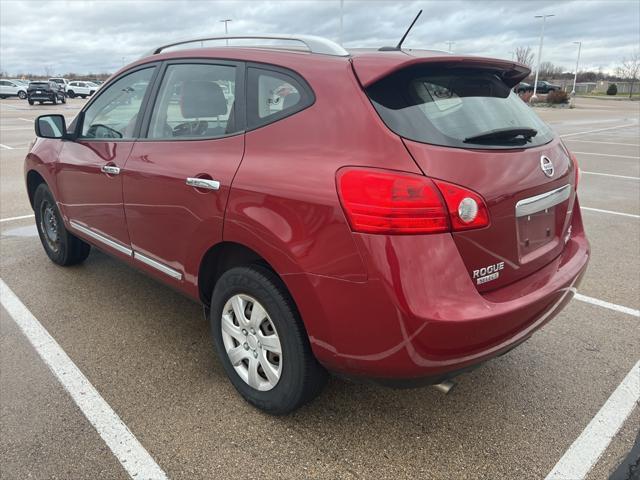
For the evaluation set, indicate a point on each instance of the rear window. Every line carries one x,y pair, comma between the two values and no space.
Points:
454,107
39,84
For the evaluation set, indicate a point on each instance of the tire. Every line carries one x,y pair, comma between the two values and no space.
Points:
62,247
83,96
31,102
55,100
300,378
22,95
64,99
2,97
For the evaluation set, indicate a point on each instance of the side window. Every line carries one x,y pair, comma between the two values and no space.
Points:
4,83
195,101
115,112
274,95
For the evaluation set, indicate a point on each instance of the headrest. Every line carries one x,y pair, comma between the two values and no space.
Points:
202,99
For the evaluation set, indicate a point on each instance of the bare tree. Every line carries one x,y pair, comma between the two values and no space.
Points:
524,55
48,71
630,69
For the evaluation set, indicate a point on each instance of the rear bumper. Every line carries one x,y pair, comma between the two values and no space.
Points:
419,316
42,97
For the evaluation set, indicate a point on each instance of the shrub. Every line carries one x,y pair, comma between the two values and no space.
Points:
558,96
612,90
526,96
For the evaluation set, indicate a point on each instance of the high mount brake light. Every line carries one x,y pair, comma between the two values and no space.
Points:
384,201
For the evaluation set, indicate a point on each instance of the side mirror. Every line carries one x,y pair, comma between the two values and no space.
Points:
51,126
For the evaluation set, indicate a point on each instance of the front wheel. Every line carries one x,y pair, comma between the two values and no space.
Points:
71,94
22,95
64,99
62,247
261,341
54,100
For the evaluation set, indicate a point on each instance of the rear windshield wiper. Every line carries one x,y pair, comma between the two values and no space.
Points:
509,133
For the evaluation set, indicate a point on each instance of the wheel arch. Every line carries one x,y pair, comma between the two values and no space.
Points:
34,179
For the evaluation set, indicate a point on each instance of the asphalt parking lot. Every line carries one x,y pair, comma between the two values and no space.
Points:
146,350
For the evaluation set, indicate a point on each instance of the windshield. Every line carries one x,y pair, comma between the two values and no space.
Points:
455,107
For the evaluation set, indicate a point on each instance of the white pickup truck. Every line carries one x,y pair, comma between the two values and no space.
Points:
79,88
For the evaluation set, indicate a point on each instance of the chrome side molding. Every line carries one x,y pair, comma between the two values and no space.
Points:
101,238
531,205
157,265
127,251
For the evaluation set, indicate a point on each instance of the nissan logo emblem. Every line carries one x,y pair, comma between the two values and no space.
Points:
547,166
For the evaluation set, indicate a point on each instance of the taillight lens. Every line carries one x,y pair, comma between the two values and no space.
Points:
381,201
467,209
577,167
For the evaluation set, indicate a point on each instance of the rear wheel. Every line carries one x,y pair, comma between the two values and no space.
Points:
64,99
83,96
54,100
261,341
31,102
71,94
62,247
22,95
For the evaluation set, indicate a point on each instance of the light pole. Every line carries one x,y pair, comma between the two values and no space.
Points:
340,40
450,43
226,28
575,77
534,97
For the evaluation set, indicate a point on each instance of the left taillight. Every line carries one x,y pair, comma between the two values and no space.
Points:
385,201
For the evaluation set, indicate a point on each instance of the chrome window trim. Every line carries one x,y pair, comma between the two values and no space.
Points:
531,205
101,238
157,265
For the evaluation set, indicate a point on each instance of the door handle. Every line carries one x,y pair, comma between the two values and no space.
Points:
110,169
203,183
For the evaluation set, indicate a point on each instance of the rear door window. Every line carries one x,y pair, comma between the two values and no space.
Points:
275,94
195,101
464,108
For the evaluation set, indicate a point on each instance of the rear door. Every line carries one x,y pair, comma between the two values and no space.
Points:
90,168
467,127
178,178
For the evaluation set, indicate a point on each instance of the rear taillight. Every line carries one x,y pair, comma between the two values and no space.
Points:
467,209
577,168
383,201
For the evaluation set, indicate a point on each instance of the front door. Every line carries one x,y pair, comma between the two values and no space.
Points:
90,176
178,178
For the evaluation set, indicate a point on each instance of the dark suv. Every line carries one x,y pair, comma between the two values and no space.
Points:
45,91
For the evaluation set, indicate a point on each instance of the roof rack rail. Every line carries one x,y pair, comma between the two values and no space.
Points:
313,43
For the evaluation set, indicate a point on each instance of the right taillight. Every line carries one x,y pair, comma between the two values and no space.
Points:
577,167
384,201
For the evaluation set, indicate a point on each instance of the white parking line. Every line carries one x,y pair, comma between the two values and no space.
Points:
610,306
609,175
606,143
125,446
5,146
14,129
26,119
599,130
11,219
587,449
610,212
635,157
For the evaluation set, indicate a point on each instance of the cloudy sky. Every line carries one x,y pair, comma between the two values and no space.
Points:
98,36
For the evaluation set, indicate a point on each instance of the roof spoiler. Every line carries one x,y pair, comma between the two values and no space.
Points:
371,68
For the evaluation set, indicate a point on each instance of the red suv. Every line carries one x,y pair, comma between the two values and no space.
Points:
396,215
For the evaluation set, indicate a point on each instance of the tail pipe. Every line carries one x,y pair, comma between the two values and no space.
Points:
445,387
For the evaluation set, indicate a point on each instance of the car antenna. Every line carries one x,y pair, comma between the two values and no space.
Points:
399,46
